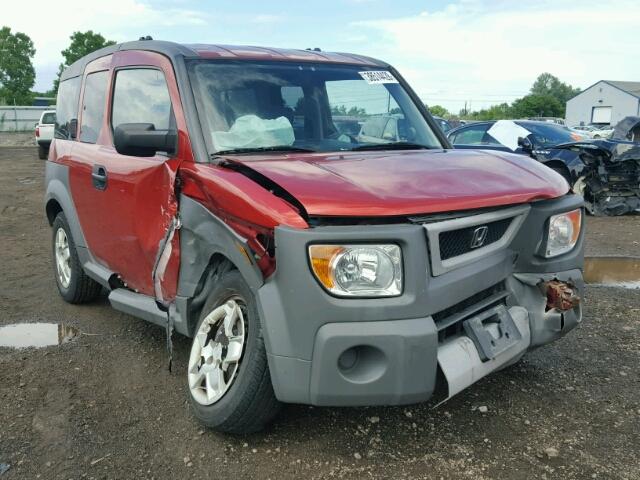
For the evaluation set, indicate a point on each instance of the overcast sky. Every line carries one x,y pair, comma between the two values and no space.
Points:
480,51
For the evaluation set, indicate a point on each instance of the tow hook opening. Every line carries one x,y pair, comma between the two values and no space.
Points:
560,295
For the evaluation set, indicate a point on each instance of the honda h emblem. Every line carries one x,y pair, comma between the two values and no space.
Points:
479,236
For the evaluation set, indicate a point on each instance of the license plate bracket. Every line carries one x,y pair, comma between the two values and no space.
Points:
492,331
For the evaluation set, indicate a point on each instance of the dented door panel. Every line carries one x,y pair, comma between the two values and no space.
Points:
127,223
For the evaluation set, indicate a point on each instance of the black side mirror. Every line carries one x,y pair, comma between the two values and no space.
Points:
525,144
143,140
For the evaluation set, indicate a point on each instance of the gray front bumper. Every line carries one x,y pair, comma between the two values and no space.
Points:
396,339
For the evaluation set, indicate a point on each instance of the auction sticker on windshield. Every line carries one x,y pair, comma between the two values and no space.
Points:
378,76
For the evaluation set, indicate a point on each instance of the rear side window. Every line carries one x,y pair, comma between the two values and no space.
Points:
93,100
48,118
471,136
67,108
141,96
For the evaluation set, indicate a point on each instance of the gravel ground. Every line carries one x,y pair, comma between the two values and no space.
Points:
17,139
104,406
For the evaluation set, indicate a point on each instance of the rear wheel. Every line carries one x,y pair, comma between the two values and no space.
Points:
73,284
228,376
43,152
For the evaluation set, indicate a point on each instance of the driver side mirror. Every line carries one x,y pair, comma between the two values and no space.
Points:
525,144
143,140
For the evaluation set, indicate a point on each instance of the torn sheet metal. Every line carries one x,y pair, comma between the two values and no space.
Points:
164,256
610,179
507,133
561,295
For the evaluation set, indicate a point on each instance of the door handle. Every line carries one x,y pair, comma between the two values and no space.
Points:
99,177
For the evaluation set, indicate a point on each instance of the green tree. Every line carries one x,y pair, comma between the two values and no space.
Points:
353,111
547,84
537,106
439,111
82,43
495,112
17,74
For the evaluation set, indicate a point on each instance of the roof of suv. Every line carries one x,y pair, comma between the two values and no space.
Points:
229,52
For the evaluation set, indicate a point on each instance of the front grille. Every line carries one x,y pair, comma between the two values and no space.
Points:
454,243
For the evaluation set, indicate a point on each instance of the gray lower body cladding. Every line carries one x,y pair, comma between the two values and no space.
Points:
325,350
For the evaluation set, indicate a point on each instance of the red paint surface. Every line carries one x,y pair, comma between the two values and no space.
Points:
125,224
237,199
407,182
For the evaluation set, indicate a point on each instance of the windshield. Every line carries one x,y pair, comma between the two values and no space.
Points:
546,136
252,106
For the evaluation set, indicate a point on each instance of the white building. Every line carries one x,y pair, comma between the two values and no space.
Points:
605,102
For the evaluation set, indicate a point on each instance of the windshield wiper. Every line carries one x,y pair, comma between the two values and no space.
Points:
275,148
393,146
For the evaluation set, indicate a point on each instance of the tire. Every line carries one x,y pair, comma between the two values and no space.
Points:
74,285
43,152
248,402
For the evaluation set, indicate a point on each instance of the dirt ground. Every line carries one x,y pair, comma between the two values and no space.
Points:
105,406
17,139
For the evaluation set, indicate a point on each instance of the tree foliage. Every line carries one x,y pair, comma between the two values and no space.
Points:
537,105
547,98
82,43
439,111
547,84
352,112
17,75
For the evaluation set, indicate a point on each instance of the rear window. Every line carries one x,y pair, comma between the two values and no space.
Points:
48,118
67,107
93,100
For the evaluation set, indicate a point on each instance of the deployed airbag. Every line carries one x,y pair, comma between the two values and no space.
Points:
251,131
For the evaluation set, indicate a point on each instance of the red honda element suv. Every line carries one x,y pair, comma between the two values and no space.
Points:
302,218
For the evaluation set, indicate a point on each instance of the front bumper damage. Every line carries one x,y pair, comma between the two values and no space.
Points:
610,179
455,320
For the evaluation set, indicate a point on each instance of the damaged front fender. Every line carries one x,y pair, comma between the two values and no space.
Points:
610,179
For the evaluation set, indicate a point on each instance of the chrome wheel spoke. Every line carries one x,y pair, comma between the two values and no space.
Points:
62,253
215,383
232,312
234,350
195,379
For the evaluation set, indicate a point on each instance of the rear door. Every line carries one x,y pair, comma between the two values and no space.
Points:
127,205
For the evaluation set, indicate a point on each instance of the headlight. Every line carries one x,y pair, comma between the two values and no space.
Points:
564,230
358,270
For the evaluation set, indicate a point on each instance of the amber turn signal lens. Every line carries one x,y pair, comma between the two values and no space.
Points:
576,220
321,259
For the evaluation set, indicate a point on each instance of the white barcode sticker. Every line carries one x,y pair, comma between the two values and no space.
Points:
378,76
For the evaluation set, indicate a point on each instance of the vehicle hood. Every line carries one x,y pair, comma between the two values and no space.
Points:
405,182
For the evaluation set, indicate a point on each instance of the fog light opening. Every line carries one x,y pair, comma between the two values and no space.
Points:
362,364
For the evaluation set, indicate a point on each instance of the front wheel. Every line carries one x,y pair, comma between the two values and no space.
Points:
228,376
